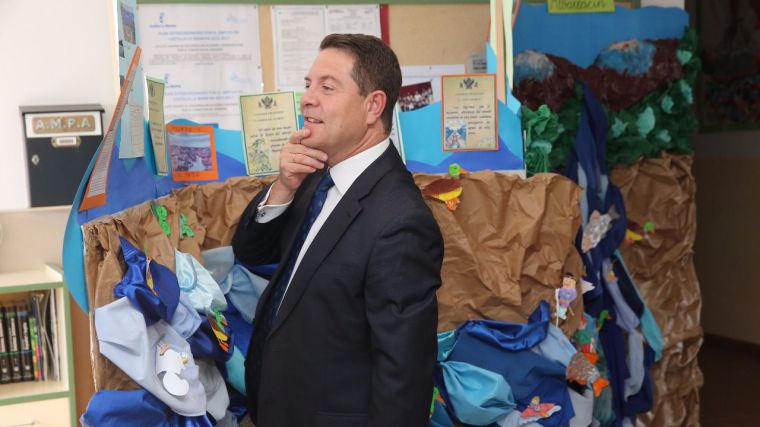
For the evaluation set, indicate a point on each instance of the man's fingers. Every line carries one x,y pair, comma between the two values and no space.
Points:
299,135
297,168
311,152
304,159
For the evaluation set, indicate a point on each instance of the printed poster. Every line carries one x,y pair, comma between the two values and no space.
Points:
469,112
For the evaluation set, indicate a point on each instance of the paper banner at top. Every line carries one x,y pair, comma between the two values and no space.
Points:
581,6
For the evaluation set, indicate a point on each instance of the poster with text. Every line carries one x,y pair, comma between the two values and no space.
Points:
206,54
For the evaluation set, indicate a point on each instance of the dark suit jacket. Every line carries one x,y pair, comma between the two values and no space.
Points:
354,341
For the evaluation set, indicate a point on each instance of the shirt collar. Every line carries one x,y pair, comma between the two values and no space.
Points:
345,173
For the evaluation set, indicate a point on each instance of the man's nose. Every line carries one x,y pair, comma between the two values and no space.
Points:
309,98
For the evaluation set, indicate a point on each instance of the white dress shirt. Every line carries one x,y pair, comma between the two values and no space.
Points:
343,174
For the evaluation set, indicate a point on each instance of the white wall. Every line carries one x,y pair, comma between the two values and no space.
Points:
51,52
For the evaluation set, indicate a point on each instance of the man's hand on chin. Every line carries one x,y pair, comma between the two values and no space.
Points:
297,161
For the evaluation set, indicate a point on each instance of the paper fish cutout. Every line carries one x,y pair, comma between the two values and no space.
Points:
171,363
149,276
219,325
537,410
565,296
604,316
582,371
632,237
436,398
447,190
636,232
597,227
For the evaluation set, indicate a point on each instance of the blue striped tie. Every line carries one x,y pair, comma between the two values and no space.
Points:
263,323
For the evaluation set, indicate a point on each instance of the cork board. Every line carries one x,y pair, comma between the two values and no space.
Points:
420,34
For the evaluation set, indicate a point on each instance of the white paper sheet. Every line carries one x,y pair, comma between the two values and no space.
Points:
208,55
298,30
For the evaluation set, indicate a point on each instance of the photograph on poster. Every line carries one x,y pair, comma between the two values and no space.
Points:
455,135
128,22
192,152
415,96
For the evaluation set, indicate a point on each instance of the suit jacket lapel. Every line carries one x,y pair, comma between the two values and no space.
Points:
332,230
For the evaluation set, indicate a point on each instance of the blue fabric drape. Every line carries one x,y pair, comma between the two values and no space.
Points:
160,305
511,336
117,408
587,166
477,396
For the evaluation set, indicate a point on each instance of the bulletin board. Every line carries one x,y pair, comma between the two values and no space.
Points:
441,40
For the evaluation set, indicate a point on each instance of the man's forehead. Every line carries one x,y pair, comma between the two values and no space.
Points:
331,63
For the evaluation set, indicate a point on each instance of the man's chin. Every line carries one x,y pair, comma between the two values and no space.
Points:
311,142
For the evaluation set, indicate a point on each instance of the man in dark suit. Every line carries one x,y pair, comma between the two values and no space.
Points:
345,333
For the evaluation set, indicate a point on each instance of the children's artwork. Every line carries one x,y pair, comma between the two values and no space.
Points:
447,189
582,371
415,96
169,366
537,411
219,325
585,340
468,111
192,152
635,232
597,227
454,135
565,296
729,32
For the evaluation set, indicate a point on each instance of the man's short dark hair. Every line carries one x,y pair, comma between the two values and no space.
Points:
375,67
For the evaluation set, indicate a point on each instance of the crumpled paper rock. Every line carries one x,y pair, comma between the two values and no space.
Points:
212,212
507,247
662,190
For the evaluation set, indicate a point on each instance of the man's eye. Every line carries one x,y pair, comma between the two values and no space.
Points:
327,88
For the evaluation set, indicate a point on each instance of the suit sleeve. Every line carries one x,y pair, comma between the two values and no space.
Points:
403,275
257,243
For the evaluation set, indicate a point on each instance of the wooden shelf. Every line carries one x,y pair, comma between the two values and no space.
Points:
23,399
22,279
13,391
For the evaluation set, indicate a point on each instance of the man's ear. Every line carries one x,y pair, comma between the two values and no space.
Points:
375,105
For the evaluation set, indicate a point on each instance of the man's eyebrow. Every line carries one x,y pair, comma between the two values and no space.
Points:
323,79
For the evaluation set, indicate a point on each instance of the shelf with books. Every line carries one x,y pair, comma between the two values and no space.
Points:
36,363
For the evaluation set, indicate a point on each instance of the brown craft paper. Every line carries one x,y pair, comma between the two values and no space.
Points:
212,212
507,246
662,190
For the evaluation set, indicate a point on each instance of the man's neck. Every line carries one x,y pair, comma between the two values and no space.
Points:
369,140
